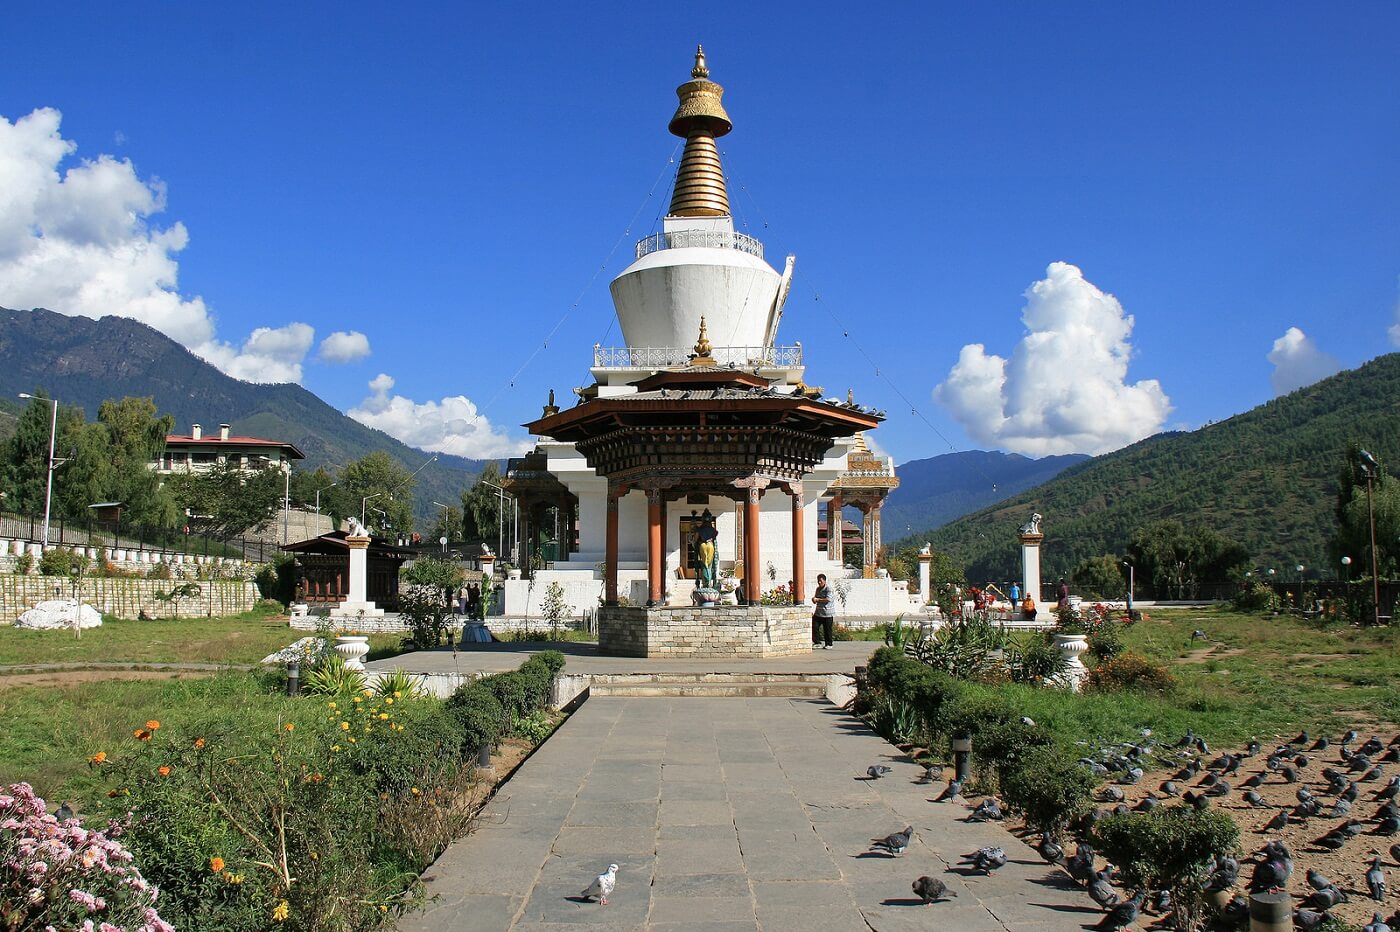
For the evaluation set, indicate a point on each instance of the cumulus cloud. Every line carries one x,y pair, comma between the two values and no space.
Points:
1064,389
344,346
452,425
1298,362
1394,330
80,240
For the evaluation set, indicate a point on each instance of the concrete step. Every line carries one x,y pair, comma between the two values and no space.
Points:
710,685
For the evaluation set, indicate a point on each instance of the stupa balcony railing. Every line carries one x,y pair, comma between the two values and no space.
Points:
663,357
705,239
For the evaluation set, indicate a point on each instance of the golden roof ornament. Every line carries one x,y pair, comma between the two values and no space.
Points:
861,446
701,356
700,119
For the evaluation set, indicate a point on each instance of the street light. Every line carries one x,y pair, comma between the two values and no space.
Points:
1346,568
445,509
53,435
318,496
391,492
500,513
1130,587
1371,469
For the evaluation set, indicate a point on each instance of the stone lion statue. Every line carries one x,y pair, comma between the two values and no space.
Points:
1032,526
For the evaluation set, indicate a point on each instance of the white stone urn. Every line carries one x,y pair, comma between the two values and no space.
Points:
352,648
1071,646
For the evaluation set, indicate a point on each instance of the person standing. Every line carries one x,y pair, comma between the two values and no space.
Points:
822,618
1014,596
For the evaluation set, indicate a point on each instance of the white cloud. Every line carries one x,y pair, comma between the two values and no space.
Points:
344,346
1064,389
79,240
1298,362
451,425
1394,330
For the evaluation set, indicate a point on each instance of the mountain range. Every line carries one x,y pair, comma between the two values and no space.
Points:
939,489
1267,478
83,362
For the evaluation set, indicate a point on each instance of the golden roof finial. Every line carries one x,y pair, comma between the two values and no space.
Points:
860,445
700,71
699,120
701,356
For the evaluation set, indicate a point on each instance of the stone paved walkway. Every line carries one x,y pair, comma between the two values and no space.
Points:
729,814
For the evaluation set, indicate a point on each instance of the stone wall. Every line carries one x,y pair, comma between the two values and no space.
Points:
721,631
126,598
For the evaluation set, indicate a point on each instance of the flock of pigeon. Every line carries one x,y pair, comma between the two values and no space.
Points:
1334,780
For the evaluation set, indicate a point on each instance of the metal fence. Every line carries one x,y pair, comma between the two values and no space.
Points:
660,357
93,533
706,239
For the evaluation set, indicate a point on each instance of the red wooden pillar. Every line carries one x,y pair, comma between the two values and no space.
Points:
753,584
799,569
610,554
655,563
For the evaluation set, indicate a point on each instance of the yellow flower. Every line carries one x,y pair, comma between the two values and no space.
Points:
315,856
233,878
352,740
358,699
344,726
416,792
335,747
281,913
389,700
330,705
383,716
216,864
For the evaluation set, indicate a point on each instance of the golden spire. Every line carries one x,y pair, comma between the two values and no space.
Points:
860,445
700,120
701,356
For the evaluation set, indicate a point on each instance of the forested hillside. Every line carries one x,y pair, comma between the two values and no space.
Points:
936,490
1266,478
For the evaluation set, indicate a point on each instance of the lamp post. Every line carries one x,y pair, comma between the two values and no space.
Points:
1130,587
318,496
1346,568
390,493
445,509
500,514
53,435
1371,469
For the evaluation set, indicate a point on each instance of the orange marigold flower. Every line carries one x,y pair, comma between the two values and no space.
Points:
153,724
216,864
289,726
100,757
163,771
198,743
141,734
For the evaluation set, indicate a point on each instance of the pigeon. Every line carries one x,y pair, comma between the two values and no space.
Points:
1223,875
1081,866
928,776
1162,902
1198,802
1389,825
950,792
1236,912
1326,898
1272,872
1027,721
1102,892
1377,924
876,771
1198,635
1349,737
1289,774
1318,880
1276,823
1218,789
1111,794
1303,795
1253,798
1051,851
1321,744
1395,853
1251,749
602,885
1332,841
1390,756
1389,791
988,810
1301,761
1302,738
1210,779
1359,762
1375,880
894,844
931,890
1373,745
1170,788
1308,919
1340,808
1133,775
1147,804
1350,793
1122,915
986,859
1252,782
64,811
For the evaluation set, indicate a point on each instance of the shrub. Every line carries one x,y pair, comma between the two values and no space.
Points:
534,727
400,744
1048,787
1170,848
428,612
276,579
1255,596
160,570
334,678
397,684
1034,659
554,609
478,714
552,659
60,875
1129,671
1106,639
513,691
57,561
24,563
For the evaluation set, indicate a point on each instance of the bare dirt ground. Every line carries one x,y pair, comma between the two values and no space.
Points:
76,677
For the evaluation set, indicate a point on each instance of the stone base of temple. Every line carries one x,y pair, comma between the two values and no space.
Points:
723,631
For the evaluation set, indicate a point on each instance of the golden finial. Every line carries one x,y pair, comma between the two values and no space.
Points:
700,120
701,356
700,71
861,446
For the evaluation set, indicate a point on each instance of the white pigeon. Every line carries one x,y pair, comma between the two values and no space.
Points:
602,885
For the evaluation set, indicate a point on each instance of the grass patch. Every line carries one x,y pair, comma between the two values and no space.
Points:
245,638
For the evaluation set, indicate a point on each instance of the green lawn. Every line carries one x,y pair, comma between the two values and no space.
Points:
246,638
51,732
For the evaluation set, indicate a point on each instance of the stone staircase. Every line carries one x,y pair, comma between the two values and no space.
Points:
712,685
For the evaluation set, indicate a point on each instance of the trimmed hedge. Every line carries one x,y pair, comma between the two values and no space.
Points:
478,713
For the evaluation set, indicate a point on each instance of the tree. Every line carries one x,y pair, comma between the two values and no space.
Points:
136,438
447,523
389,488
481,507
1173,560
1100,577
227,501
24,458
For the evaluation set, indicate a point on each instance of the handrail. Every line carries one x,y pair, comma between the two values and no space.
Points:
661,357
705,239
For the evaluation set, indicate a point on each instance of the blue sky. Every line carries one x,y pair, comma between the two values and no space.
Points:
450,181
